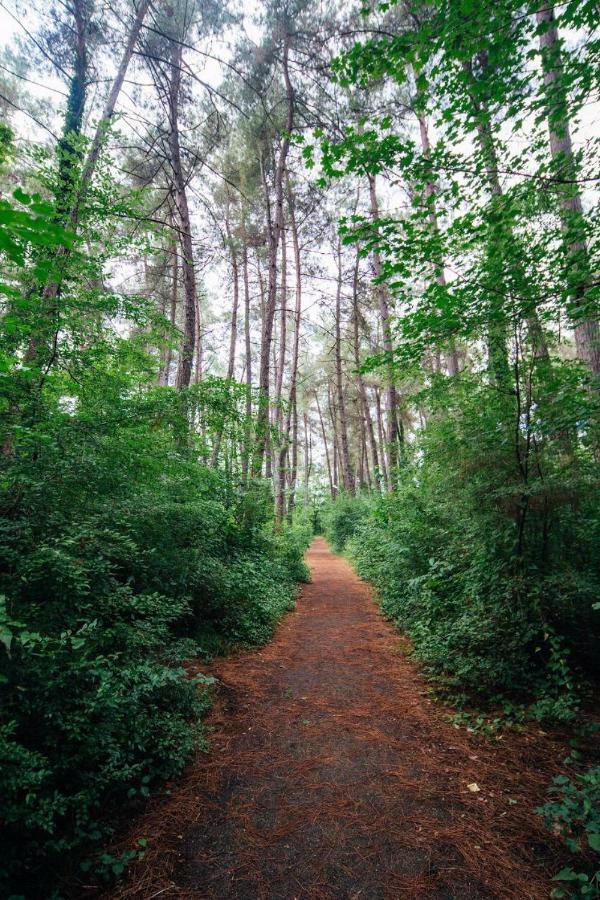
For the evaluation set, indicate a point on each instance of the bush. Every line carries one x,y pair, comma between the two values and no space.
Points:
121,555
494,610
574,814
342,517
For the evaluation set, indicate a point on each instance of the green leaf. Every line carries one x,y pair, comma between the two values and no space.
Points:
594,841
566,875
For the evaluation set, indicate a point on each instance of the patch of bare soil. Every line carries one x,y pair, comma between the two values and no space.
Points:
332,774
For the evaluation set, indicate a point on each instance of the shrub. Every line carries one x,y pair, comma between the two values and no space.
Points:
574,814
121,556
494,609
342,517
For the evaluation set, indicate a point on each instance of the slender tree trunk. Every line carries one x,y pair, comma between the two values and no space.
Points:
366,409
293,462
392,398
190,298
279,417
198,346
248,361
332,488
75,109
347,473
69,158
382,443
282,328
274,228
234,304
172,313
307,459
582,313
111,103
337,463
291,420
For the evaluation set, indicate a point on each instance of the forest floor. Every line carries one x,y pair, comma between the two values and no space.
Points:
331,773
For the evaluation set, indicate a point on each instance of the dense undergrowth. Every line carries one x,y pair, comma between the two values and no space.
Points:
131,540
495,579
122,556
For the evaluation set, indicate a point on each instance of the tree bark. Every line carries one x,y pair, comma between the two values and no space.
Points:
392,397
248,359
51,290
347,473
586,324
274,229
235,300
172,314
69,152
381,431
293,474
281,423
291,418
337,463
190,297
282,329
366,409
109,109
307,459
332,489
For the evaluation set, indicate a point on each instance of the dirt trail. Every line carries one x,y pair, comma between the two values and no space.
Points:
331,774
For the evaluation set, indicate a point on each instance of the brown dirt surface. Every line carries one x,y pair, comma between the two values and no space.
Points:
331,773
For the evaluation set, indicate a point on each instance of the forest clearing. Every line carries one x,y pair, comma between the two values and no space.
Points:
300,449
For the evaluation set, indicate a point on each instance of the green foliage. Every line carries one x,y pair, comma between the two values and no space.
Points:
120,557
496,606
123,553
342,517
574,814
486,554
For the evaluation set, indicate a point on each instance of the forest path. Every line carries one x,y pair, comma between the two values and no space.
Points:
331,774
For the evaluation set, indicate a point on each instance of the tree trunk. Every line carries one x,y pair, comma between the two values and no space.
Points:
347,473
585,319
293,462
380,429
248,361
172,314
235,302
67,191
52,289
332,489
190,298
334,432
307,459
69,153
291,420
392,399
274,228
282,427
366,409
282,329
109,109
